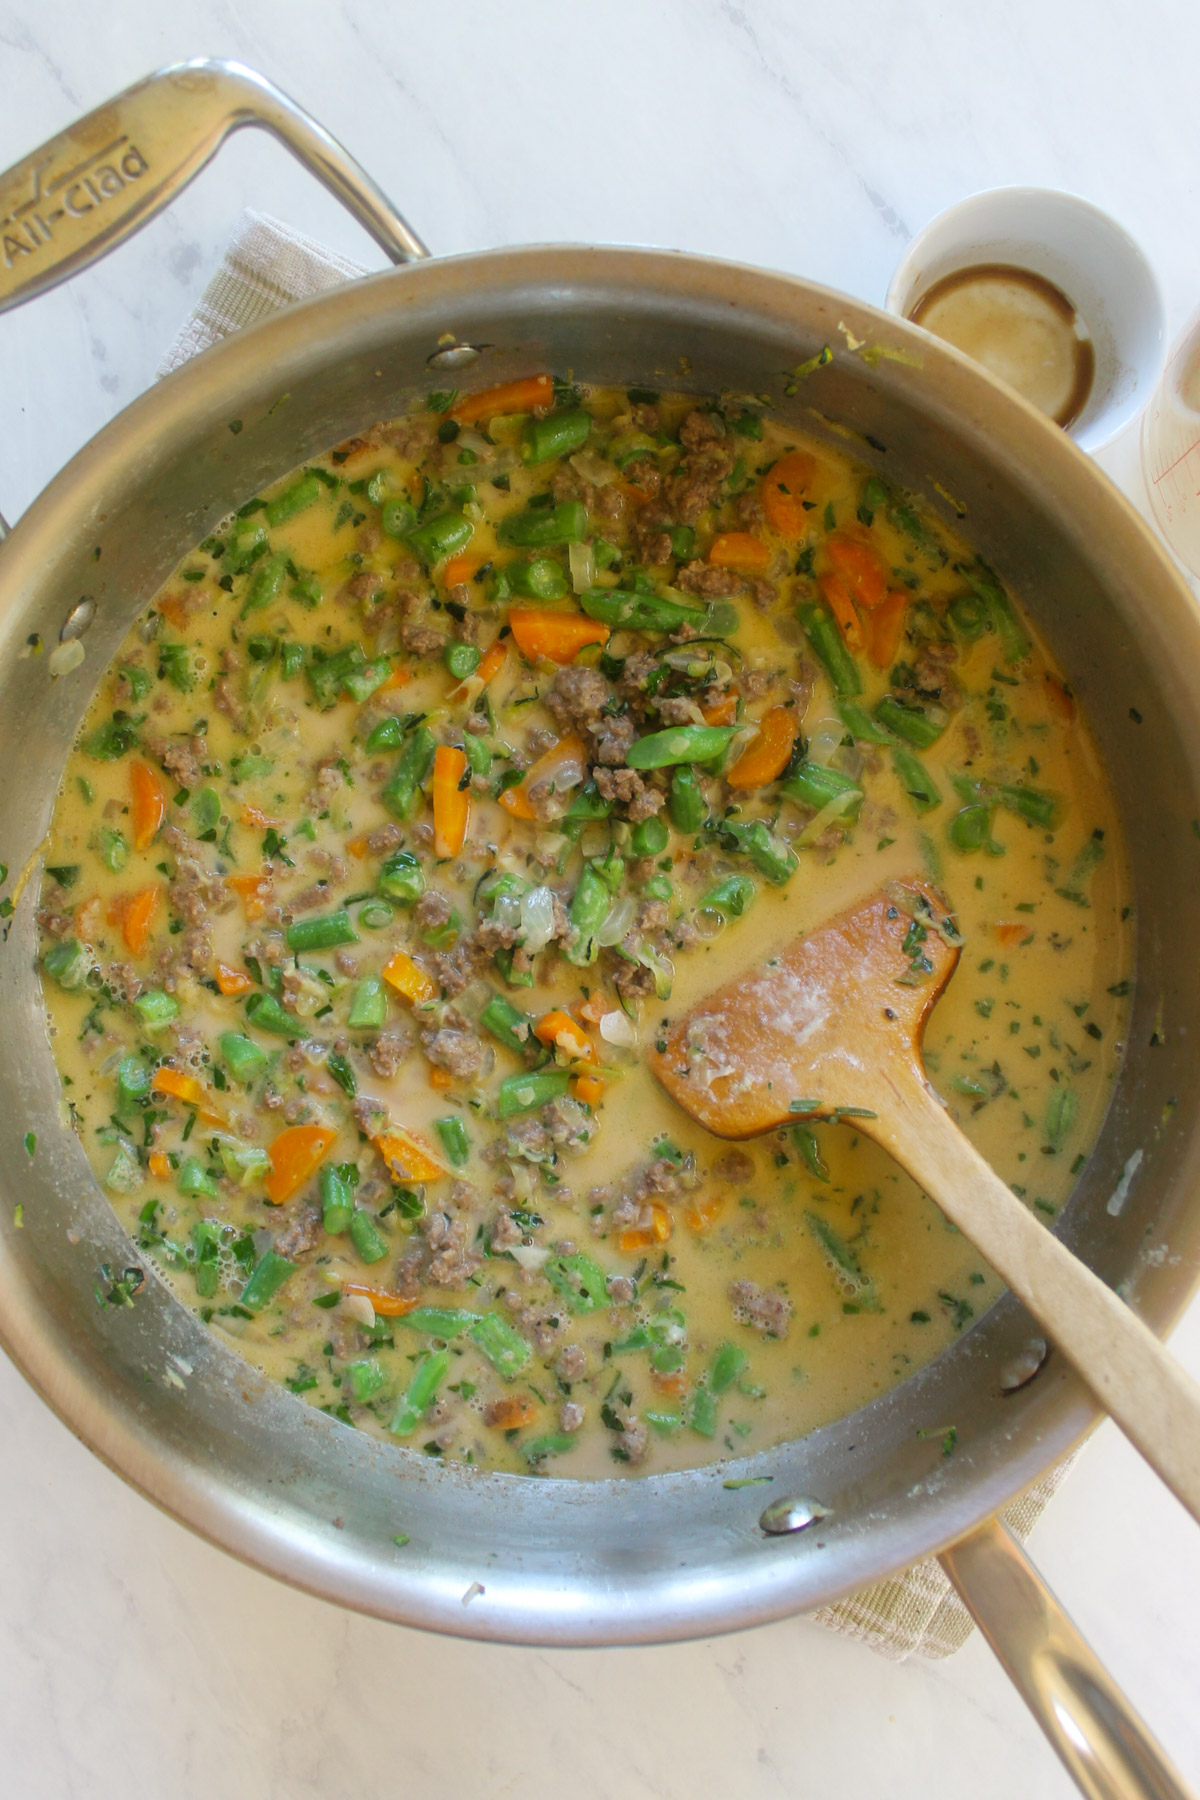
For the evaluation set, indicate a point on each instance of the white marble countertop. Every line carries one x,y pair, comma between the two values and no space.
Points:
814,138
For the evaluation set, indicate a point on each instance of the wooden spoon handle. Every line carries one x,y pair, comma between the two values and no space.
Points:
1135,1379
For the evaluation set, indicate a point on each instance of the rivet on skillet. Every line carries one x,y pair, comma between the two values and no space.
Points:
456,356
1020,1369
78,619
793,1514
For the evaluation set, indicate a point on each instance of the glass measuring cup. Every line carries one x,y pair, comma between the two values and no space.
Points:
1171,449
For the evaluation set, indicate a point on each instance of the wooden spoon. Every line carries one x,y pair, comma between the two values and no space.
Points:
832,1028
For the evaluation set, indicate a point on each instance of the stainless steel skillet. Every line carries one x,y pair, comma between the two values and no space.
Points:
290,1490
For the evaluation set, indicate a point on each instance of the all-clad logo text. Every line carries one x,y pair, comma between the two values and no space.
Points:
71,195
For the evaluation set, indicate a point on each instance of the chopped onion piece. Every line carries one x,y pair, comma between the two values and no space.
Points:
582,559
828,815
615,1028
506,910
475,442
824,739
593,468
537,918
618,920
530,1256
359,1308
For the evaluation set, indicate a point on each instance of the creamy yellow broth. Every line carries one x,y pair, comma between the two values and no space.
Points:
650,1300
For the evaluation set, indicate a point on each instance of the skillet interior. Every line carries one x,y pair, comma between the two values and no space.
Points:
671,1556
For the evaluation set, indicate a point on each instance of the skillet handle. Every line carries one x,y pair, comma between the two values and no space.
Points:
97,182
1107,1751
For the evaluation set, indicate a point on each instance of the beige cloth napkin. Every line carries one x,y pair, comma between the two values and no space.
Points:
267,266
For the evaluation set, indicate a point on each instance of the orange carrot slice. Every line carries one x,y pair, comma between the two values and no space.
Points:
451,801
740,550
186,1088
440,1078
558,637
510,397
409,978
567,756
255,891
149,804
160,1165
172,608
407,1158
388,1306
702,1215
767,756
261,821
722,711
296,1154
399,677
464,567
1011,931
859,566
783,489
838,600
232,981
510,1412
559,1030
641,1237
137,916
885,628
589,1089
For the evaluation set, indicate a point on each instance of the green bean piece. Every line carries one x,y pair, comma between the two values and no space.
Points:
1032,804
266,1014
401,878
193,1180
439,538
361,681
337,1200
461,660
731,896
542,578
551,1443
919,725
133,1080
969,616
402,795
265,584
680,744
247,1164
455,1141
686,803
580,1280
638,611
247,543
971,827
479,757
650,837
387,735
68,963
501,1343
611,869
861,725
368,1008
156,1009
727,1364
916,781
376,915
829,647
366,1237
542,527
817,785
114,851
242,1056
587,805
424,1385
523,1093
441,937
805,1140
1013,641
266,1278
443,1322
683,541
512,1028
324,933
398,518
662,1420
587,912
770,854
702,1411
557,435
503,960
303,493
206,1247
366,1377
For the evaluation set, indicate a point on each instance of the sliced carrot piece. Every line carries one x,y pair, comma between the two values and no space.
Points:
860,567
509,397
451,801
702,1215
1012,931
674,1383
172,608
160,1165
255,891
296,1154
180,1086
885,628
149,804
399,677
261,821
510,1412
232,981
568,755
554,636
409,978
357,846
88,921
740,550
388,1306
642,1237
722,711
783,489
464,567
559,1030
137,915
589,1089
494,660
767,756
838,600
406,1156
440,1078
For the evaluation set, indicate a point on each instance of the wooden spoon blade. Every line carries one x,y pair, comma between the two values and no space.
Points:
812,1032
